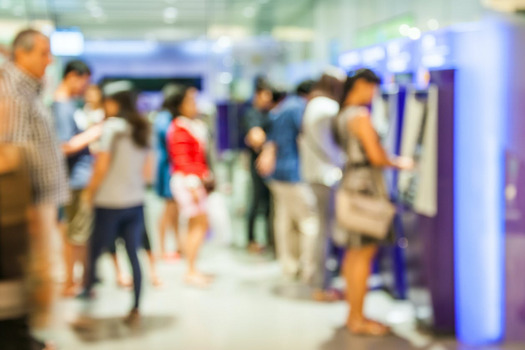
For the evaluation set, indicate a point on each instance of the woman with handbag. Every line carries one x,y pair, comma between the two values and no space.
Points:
191,178
363,211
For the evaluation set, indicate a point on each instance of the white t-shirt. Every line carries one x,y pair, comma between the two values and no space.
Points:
124,184
321,157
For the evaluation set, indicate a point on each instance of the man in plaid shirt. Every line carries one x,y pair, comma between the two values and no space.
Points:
26,122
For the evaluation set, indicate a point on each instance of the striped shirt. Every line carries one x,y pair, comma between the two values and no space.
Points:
25,121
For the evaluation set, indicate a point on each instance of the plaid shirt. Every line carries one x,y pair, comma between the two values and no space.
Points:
24,120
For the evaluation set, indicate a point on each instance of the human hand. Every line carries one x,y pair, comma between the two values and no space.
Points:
265,163
405,163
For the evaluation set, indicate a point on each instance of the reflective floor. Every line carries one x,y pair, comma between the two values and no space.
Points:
250,306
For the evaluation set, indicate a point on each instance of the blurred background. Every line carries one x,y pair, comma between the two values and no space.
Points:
453,81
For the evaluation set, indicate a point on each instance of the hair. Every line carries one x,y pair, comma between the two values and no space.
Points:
122,92
305,88
364,74
278,94
330,86
261,84
174,95
77,66
25,40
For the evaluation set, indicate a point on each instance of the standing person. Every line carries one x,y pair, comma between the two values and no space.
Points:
76,223
296,218
170,215
186,141
117,188
321,163
363,173
257,125
26,122
93,111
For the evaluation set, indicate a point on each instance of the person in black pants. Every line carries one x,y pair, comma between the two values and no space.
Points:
256,121
124,281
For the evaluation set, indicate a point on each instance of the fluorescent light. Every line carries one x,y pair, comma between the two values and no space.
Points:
414,33
293,34
404,29
97,12
67,43
225,78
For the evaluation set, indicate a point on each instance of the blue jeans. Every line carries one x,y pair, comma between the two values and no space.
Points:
109,224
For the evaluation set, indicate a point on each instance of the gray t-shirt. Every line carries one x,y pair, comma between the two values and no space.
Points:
124,184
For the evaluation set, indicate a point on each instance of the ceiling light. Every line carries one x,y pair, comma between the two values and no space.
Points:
404,29
225,78
91,4
170,14
249,12
170,2
414,33
97,12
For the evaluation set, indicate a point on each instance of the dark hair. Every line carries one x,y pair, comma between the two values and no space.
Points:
77,66
365,74
329,86
261,84
174,95
127,101
278,94
304,88
25,40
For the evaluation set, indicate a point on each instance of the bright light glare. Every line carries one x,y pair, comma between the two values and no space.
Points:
415,33
65,43
225,78
404,29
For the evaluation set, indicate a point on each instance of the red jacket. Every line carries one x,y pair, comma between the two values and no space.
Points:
186,143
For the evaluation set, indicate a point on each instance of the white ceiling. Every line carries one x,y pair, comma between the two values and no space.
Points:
164,19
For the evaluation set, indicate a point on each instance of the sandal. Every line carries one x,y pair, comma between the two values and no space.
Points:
198,281
368,328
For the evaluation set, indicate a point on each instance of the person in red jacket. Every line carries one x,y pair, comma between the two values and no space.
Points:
186,142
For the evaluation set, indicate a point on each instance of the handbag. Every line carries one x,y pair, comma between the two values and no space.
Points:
364,214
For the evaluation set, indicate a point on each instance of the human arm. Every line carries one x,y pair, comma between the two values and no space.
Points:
362,127
82,140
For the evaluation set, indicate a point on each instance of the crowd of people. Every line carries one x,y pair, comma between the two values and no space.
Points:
89,166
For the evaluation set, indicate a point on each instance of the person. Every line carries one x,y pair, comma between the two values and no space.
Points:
93,111
321,163
26,122
296,220
122,168
186,141
75,225
256,125
366,159
170,215
122,279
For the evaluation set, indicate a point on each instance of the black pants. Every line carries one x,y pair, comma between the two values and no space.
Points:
261,204
109,224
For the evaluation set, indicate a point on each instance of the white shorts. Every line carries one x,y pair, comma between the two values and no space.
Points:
188,206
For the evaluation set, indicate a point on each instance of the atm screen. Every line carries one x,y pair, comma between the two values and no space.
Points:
417,188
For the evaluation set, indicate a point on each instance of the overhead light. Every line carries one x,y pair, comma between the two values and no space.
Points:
249,12
97,12
404,29
92,4
170,2
414,33
225,78
170,14
433,24
18,11
293,34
